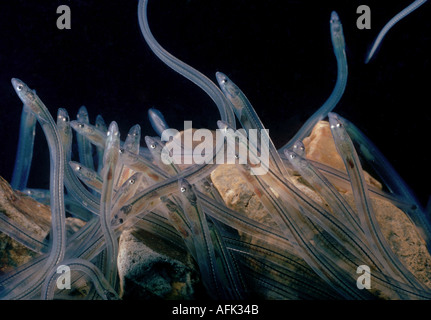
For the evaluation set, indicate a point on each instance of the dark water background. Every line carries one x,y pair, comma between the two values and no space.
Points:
278,52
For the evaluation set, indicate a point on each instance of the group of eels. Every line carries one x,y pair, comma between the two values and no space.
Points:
311,252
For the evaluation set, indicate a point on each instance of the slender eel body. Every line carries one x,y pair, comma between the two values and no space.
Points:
24,153
73,185
182,68
338,44
157,121
101,126
378,41
27,289
84,146
91,178
205,250
110,163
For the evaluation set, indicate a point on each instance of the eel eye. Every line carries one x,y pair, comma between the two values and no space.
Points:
19,87
182,189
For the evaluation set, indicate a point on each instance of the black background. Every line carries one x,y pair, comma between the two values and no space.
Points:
278,52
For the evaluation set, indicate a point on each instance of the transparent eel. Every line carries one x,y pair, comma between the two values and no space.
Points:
28,287
185,70
378,41
85,150
178,220
300,231
103,288
132,145
92,133
338,44
73,186
24,153
202,239
157,121
299,148
110,162
391,179
100,124
89,177
364,207
133,140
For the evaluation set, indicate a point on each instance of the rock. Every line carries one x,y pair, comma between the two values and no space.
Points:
150,268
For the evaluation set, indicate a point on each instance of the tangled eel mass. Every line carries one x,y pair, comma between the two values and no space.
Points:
310,251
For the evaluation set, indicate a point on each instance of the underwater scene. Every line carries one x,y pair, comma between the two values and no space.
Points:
215,150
